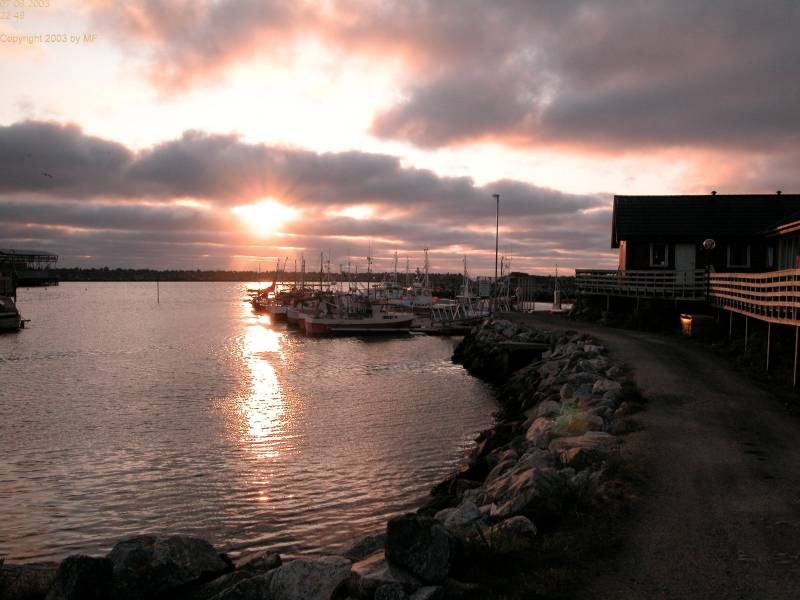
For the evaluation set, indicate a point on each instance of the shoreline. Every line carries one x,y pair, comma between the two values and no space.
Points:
547,454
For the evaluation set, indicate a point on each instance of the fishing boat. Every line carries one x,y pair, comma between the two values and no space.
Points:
10,319
355,315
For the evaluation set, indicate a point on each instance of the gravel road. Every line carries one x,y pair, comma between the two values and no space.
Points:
720,516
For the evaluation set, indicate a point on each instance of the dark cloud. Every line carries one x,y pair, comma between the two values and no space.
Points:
119,206
607,74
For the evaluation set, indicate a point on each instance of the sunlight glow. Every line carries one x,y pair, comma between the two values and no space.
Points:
266,217
358,212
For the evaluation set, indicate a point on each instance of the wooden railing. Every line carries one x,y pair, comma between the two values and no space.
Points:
772,296
677,285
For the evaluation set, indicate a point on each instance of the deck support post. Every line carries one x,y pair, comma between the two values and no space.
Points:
769,340
746,324
730,325
794,370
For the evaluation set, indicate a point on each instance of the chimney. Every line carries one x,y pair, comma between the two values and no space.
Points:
713,192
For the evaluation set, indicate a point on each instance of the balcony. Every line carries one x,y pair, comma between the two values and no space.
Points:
670,285
773,296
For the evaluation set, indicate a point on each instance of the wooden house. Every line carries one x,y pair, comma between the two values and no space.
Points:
661,242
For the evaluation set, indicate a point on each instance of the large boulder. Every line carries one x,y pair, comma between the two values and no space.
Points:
374,571
311,578
366,546
25,582
150,566
514,535
603,386
253,588
419,544
82,577
391,591
539,492
464,514
428,593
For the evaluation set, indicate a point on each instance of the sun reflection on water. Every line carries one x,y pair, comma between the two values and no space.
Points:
263,408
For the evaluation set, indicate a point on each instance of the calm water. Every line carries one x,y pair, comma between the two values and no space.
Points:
119,416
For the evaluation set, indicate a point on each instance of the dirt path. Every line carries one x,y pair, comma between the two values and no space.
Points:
720,517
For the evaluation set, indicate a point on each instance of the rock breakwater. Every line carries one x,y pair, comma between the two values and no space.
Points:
562,411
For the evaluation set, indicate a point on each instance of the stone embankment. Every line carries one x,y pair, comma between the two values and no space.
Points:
547,454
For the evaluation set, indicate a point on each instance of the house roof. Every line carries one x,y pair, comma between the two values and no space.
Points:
699,217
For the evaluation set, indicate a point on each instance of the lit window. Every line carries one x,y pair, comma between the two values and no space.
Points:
739,255
659,255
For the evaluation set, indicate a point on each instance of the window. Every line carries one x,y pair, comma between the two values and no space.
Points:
659,255
739,255
770,257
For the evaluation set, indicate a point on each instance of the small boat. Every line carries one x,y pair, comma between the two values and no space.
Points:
352,315
10,319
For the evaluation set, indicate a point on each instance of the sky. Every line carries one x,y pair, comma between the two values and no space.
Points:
230,134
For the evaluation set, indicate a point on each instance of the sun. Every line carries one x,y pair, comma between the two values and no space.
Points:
266,217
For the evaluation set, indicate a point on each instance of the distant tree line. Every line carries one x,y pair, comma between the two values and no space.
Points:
445,284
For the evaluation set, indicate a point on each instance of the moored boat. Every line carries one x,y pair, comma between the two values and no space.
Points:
10,319
351,315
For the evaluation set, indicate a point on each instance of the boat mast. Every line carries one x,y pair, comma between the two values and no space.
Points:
320,271
426,282
395,267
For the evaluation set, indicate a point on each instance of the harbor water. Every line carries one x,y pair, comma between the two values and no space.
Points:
121,416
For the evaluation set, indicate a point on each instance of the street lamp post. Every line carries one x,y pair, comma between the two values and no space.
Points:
496,248
709,246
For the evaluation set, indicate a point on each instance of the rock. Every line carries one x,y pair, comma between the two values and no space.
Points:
594,348
539,433
533,491
428,593
566,392
615,372
81,577
591,440
602,386
26,582
580,458
253,588
215,587
374,571
258,562
390,591
535,458
454,589
577,424
310,578
517,534
474,495
366,546
624,409
147,566
466,513
420,545
500,469
548,408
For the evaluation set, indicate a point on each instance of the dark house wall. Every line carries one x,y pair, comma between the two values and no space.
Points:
638,255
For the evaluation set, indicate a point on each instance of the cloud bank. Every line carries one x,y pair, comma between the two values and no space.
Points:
171,202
